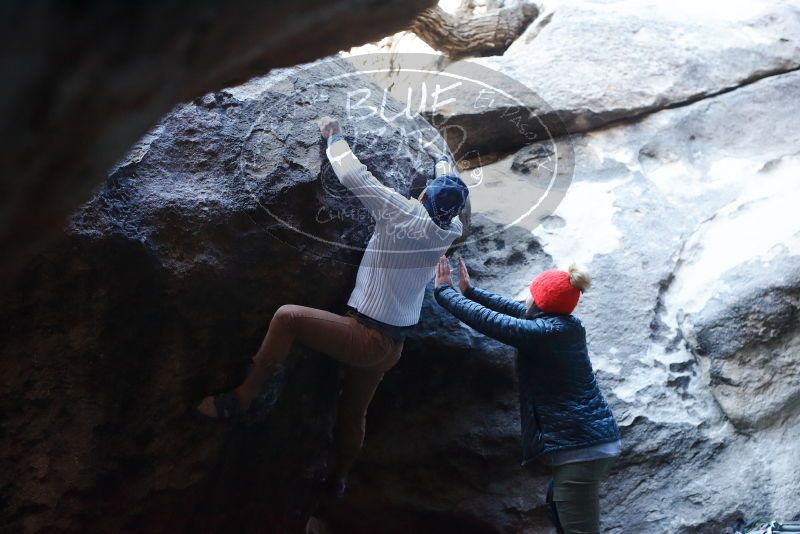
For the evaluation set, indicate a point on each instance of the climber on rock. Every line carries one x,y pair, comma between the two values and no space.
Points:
566,422
399,261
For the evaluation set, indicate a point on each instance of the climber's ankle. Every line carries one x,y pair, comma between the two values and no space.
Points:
245,396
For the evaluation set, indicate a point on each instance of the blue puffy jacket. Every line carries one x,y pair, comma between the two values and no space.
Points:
560,403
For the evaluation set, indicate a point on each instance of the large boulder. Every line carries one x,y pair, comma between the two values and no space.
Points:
163,283
747,340
597,62
85,80
158,293
683,219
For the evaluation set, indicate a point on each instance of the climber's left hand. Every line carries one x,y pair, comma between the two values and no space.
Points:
329,126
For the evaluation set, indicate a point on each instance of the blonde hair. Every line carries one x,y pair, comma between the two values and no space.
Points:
579,278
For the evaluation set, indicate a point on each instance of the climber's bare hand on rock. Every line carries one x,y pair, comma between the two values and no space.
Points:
443,274
432,147
329,126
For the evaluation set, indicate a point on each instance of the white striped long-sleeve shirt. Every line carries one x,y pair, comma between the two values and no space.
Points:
403,251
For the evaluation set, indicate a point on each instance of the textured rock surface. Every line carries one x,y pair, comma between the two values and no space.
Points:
599,62
159,292
748,342
85,80
163,283
684,220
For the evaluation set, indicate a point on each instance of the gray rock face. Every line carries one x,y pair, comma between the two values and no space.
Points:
747,340
601,61
683,220
85,81
598,62
683,213
160,291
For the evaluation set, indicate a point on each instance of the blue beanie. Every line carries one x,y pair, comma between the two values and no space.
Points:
445,199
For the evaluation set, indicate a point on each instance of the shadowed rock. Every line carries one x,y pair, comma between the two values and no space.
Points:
85,80
159,293
747,338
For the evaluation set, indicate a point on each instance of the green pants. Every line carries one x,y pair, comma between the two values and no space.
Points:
576,493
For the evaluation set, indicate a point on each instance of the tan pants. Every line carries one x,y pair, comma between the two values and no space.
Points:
366,355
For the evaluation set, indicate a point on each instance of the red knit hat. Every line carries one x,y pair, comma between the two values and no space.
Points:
553,292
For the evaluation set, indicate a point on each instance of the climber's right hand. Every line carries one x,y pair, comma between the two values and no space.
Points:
329,126
463,276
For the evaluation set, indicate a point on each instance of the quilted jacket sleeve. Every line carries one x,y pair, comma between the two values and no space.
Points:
495,302
504,328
